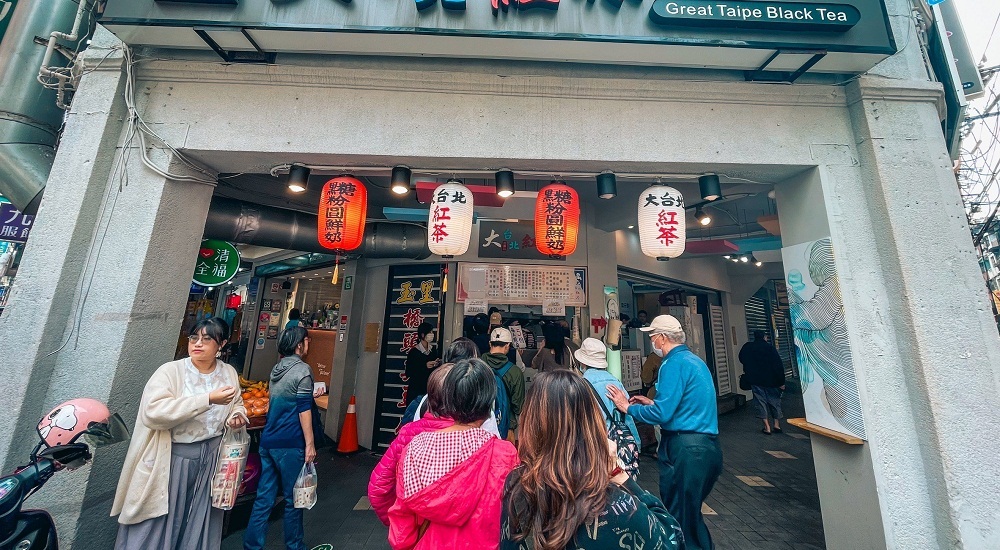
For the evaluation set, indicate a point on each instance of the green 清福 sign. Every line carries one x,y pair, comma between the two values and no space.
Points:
218,262
6,12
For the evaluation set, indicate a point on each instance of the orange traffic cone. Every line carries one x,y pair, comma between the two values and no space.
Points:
349,433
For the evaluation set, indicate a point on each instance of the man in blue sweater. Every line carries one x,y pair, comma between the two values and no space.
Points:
685,409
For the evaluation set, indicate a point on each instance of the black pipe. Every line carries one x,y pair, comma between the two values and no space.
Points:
249,223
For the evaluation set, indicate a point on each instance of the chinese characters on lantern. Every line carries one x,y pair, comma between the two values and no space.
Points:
342,213
557,219
662,230
449,223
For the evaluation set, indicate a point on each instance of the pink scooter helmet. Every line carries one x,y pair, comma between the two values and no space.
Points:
81,417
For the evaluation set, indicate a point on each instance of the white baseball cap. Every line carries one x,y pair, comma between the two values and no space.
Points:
663,323
501,334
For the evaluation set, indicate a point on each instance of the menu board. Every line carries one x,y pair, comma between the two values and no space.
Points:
522,284
414,297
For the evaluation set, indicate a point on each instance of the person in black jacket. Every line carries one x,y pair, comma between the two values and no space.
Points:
570,491
420,361
765,373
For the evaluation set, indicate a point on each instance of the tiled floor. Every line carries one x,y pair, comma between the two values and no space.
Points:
766,497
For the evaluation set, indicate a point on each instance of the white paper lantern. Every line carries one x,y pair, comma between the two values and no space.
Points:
662,225
449,222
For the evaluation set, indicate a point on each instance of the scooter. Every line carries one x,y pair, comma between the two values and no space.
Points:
80,423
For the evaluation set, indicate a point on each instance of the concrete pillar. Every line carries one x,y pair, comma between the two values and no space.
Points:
99,300
942,387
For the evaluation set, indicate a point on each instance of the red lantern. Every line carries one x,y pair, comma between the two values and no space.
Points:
557,219
343,208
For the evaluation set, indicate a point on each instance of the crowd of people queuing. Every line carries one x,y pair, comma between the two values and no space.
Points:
486,460
481,459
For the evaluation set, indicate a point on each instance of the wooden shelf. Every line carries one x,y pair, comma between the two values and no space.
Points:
843,438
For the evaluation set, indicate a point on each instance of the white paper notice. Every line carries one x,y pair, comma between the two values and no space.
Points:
475,307
554,307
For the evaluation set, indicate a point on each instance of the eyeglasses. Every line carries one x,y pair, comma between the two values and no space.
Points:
199,338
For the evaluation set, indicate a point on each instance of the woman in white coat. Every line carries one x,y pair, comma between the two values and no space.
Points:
164,497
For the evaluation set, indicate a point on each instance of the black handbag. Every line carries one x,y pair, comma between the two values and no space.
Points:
628,448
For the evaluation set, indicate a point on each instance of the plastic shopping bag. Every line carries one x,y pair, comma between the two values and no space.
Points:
229,472
304,491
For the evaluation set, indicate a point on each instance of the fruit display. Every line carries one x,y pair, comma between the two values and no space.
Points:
256,397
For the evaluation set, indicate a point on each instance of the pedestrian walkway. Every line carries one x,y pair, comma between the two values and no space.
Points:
766,497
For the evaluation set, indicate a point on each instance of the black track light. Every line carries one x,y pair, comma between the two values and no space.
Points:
505,183
755,261
401,180
702,217
711,189
607,185
298,178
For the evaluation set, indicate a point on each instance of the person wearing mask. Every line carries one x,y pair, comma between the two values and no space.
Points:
164,496
420,361
765,372
553,503
382,484
450,481
512,377
555,353
294,319
689,454
593,354
287,441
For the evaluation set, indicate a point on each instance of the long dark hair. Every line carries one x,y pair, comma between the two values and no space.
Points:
567,464
554,340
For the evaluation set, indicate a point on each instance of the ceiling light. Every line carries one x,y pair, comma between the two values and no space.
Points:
298,178
755,261
702,217
607,185
744,258
728,257
504,179
711,189
631,227
401,180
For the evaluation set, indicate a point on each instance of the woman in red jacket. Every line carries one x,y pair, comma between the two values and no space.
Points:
451,481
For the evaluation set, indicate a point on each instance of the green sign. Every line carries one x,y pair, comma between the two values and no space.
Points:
218,262
6,12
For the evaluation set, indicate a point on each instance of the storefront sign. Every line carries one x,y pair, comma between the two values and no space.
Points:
475,307
611,303
632,370
14,225
413,297
554,307
662,225
6,12
791,16
348,282
218,262
449,222
854,34
509,240
557,219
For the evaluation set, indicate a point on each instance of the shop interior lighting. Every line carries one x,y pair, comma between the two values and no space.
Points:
298,178
505,182
744,258
631,227
401,180
702,217
755,261
607,185
711,189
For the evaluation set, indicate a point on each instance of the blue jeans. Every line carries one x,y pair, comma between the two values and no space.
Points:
280,469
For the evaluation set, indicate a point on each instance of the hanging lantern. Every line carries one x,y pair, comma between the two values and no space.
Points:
662,229
557,219
449,222
343,208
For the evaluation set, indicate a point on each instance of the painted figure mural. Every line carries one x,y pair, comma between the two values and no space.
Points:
823,350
